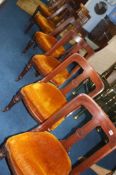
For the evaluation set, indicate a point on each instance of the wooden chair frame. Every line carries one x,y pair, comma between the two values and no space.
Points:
99,119
69,35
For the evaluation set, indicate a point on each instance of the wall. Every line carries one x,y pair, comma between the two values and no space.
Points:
94,17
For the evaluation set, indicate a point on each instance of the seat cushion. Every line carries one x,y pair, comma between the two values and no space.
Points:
43,100
46,42
38,153
46,25
44,9
45,64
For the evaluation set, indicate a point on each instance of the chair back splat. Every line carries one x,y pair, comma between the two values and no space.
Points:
99,118
88,72
72,34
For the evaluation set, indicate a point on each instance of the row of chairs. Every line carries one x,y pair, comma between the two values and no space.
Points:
39,151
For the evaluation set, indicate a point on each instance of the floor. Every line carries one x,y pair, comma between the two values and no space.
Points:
12,40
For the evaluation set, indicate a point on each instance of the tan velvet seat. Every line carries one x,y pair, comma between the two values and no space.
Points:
43,100
46,42
38,153
45,64
46,25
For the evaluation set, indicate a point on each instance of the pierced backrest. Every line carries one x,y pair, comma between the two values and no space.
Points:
88,73
72,34
99,119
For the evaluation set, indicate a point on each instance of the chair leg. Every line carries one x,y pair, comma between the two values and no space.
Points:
13,101
2,153
29,27
25,70
29,45
35,45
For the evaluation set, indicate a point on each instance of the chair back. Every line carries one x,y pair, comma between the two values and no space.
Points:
99,119
88,72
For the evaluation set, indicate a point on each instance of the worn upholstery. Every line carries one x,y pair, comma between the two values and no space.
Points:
38,153
43,100
46,42
46,25
45,64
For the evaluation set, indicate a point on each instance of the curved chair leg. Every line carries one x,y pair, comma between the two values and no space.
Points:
13,101
30,44
29,26
35,45
2,153
25,70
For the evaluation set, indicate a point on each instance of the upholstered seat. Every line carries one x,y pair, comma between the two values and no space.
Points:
38,153
43,100
46,42
46,25
45,9
45,64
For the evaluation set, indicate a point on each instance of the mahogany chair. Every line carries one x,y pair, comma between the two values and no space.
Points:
49,20
46,42
48,9
44,64
48,24
43,98
40,152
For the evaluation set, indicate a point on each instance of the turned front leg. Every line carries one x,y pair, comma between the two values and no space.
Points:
14,100
30,44
2,152
29,27
25,70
